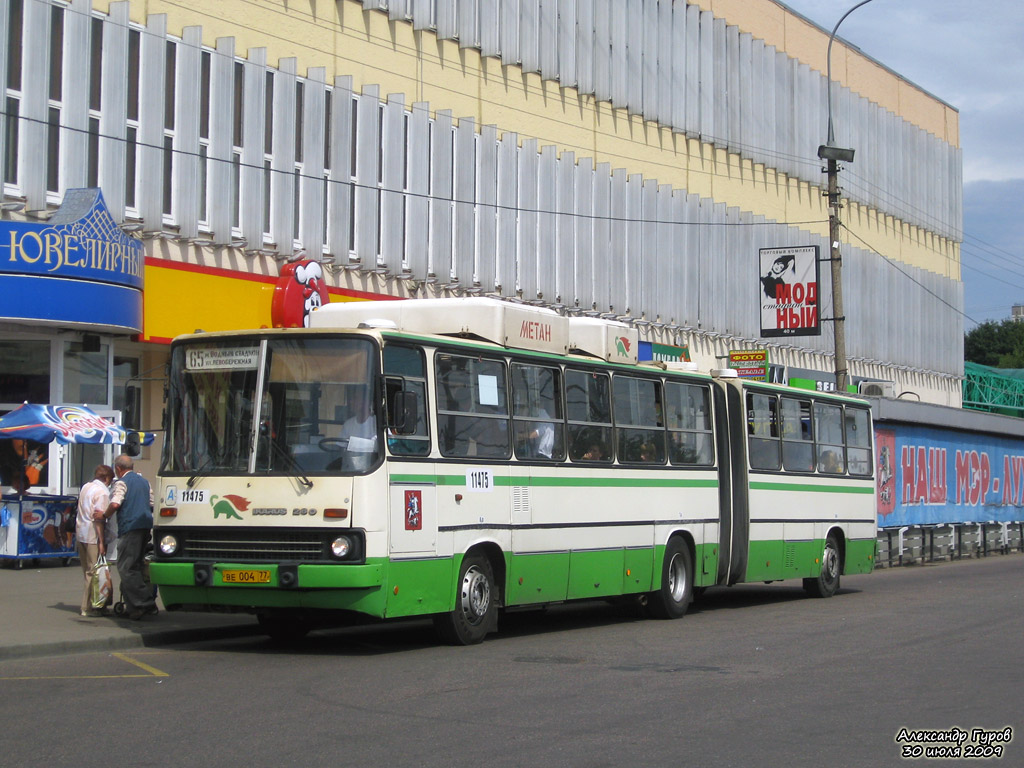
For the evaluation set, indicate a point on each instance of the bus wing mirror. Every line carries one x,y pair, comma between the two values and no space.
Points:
405,412
132,407
133,443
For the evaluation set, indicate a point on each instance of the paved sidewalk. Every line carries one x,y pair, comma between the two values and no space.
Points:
39,616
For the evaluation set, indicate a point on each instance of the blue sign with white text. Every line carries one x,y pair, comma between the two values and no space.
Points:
930,476
77,268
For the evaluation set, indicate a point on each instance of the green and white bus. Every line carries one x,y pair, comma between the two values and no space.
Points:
456,457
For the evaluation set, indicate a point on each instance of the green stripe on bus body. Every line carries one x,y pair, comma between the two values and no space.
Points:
565,482
417,587
778,560
809,488
860,555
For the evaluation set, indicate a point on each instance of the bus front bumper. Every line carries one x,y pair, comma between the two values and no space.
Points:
213,585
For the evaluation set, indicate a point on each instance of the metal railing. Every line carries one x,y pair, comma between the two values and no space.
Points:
919,544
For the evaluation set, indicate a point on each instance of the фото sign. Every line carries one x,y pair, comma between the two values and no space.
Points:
788,291
750,363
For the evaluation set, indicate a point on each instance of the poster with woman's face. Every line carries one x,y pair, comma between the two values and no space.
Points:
788,291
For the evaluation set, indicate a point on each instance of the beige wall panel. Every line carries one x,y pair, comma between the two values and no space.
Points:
935,116
873,231
763,20
865,77
952,118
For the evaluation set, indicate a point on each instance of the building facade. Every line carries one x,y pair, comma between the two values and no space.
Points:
616,158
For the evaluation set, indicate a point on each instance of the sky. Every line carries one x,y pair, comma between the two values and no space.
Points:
971,56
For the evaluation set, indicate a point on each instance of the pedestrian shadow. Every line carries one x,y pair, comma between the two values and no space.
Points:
66,607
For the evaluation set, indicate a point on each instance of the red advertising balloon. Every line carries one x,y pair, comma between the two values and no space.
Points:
299,291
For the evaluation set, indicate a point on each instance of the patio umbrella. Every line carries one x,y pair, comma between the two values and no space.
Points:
63,423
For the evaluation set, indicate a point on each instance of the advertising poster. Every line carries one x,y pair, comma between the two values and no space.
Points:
664,352
929,476
788,291
750,363
37,527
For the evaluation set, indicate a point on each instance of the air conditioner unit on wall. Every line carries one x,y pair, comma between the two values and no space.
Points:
877,388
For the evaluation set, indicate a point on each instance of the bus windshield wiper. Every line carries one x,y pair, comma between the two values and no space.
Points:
290,463
204,469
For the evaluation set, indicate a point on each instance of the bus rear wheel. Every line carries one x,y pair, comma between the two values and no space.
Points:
676,592
826,582
475,613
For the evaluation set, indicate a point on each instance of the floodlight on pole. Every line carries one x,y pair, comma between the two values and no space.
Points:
829,152
834,155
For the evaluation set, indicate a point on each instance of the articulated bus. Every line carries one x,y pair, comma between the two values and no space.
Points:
454,458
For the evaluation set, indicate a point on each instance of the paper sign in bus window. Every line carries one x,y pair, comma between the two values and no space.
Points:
487,386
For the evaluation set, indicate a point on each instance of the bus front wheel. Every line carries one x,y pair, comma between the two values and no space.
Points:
475,612
826,582
672,600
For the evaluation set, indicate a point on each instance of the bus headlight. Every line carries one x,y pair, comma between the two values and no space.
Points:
168,545
341,546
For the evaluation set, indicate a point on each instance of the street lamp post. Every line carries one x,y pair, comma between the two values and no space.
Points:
833,155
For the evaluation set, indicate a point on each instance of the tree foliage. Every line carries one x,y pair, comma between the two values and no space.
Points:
999,345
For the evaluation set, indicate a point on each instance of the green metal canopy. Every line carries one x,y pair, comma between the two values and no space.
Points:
996,390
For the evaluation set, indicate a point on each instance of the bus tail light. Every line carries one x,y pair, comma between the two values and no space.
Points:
336,514
168,512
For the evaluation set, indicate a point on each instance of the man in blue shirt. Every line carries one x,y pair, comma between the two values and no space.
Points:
131,498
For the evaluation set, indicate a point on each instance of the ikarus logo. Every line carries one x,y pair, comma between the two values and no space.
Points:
622,346
229,506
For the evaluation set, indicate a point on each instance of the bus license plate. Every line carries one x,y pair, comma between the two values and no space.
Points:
245,577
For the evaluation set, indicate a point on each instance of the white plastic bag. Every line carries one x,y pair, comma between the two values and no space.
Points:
101,586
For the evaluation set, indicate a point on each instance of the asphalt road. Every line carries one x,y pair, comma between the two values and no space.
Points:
755,675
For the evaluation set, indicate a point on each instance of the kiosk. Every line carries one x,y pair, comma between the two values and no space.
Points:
34,526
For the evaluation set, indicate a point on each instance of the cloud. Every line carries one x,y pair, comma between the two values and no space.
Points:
993,249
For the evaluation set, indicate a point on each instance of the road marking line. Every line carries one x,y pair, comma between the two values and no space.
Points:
74,677
150,672
141,665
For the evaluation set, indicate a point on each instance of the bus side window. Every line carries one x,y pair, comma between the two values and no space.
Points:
472,407
589,413
639,423
405,370
858,441
537,412
762,431
797,435
688,418
828,429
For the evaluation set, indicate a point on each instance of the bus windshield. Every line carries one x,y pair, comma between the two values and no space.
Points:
292,406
